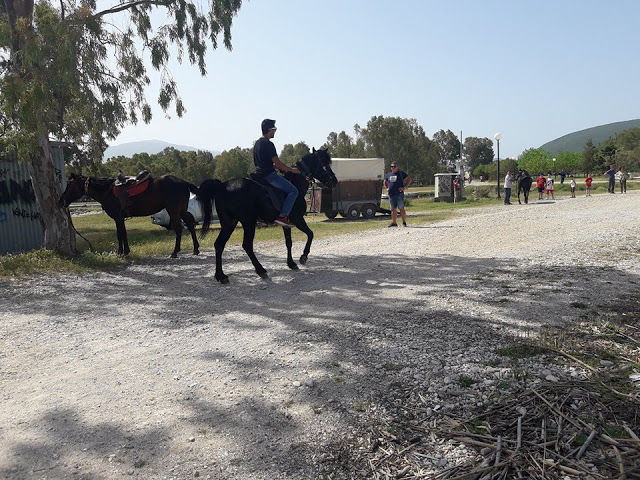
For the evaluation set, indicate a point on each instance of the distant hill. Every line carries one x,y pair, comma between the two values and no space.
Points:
575,142
147,146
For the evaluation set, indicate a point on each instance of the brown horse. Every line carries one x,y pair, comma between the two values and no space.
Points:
166,191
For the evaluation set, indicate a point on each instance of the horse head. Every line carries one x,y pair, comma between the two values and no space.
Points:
75,189
317,165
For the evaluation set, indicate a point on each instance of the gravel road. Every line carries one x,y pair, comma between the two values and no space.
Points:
157,371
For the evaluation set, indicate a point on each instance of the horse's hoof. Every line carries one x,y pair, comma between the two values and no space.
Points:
196,252
303,260
293,266
263,275
224,280
174,255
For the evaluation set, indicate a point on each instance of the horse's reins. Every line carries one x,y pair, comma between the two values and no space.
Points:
86,191
306,170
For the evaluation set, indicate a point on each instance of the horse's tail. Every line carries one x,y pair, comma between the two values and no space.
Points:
206,195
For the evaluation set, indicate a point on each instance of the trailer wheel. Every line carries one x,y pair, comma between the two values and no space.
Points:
353,212
369,210
331,214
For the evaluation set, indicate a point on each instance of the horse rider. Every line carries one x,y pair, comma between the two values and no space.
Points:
266,160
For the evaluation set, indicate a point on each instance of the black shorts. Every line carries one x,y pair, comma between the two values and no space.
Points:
541,189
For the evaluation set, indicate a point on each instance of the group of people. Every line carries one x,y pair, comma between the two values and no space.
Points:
621,175
545,184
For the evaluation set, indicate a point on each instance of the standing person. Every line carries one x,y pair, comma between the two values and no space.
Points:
550,187
587,184
396,182
623,180
457,189
612,179
508,179
572,184
541,183
266,160
562,175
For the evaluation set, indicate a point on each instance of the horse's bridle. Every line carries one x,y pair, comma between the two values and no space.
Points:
306,171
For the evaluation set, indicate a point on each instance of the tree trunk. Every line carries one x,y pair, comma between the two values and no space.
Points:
58,229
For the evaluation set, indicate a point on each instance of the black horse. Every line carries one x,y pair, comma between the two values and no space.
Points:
524,181
166,191
245,201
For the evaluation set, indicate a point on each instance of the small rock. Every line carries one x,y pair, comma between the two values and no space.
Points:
296,383
192,439
551,378
606,363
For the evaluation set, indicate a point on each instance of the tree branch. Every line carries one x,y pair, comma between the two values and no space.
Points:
129,5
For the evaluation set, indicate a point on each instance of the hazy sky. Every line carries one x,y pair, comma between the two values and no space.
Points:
533,70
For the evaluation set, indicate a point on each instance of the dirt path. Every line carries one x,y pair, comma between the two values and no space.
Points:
157,371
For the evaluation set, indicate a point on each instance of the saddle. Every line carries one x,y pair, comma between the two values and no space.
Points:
132,186
125,187
276,195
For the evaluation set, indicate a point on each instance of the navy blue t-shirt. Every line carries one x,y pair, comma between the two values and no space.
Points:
263,153
396,181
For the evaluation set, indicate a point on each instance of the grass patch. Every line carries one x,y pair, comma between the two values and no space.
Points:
47,261
148,240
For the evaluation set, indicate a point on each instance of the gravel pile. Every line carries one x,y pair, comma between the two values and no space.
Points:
157,371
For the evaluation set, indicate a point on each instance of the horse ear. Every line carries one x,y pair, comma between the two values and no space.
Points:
313,149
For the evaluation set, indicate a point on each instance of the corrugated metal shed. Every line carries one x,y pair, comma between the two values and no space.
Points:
20,226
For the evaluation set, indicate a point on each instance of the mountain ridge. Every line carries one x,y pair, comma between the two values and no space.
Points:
576,141
151,147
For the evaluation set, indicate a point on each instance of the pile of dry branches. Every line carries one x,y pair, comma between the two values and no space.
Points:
554,431
557,431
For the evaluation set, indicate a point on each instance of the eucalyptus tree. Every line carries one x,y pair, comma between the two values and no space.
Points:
535,161
478,151
290,153
234,163
404,141
568,162
76,73
628,143
448,149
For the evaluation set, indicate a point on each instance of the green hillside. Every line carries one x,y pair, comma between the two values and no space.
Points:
575,142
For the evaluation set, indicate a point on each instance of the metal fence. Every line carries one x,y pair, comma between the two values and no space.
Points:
20,226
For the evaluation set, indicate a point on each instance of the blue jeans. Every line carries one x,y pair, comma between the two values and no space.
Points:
396,201
507,196
281,183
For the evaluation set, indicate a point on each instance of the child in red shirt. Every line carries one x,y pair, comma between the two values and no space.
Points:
587,182
541,181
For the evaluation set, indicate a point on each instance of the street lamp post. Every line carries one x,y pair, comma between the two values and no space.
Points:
497,137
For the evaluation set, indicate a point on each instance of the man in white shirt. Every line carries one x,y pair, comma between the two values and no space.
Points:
507,188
